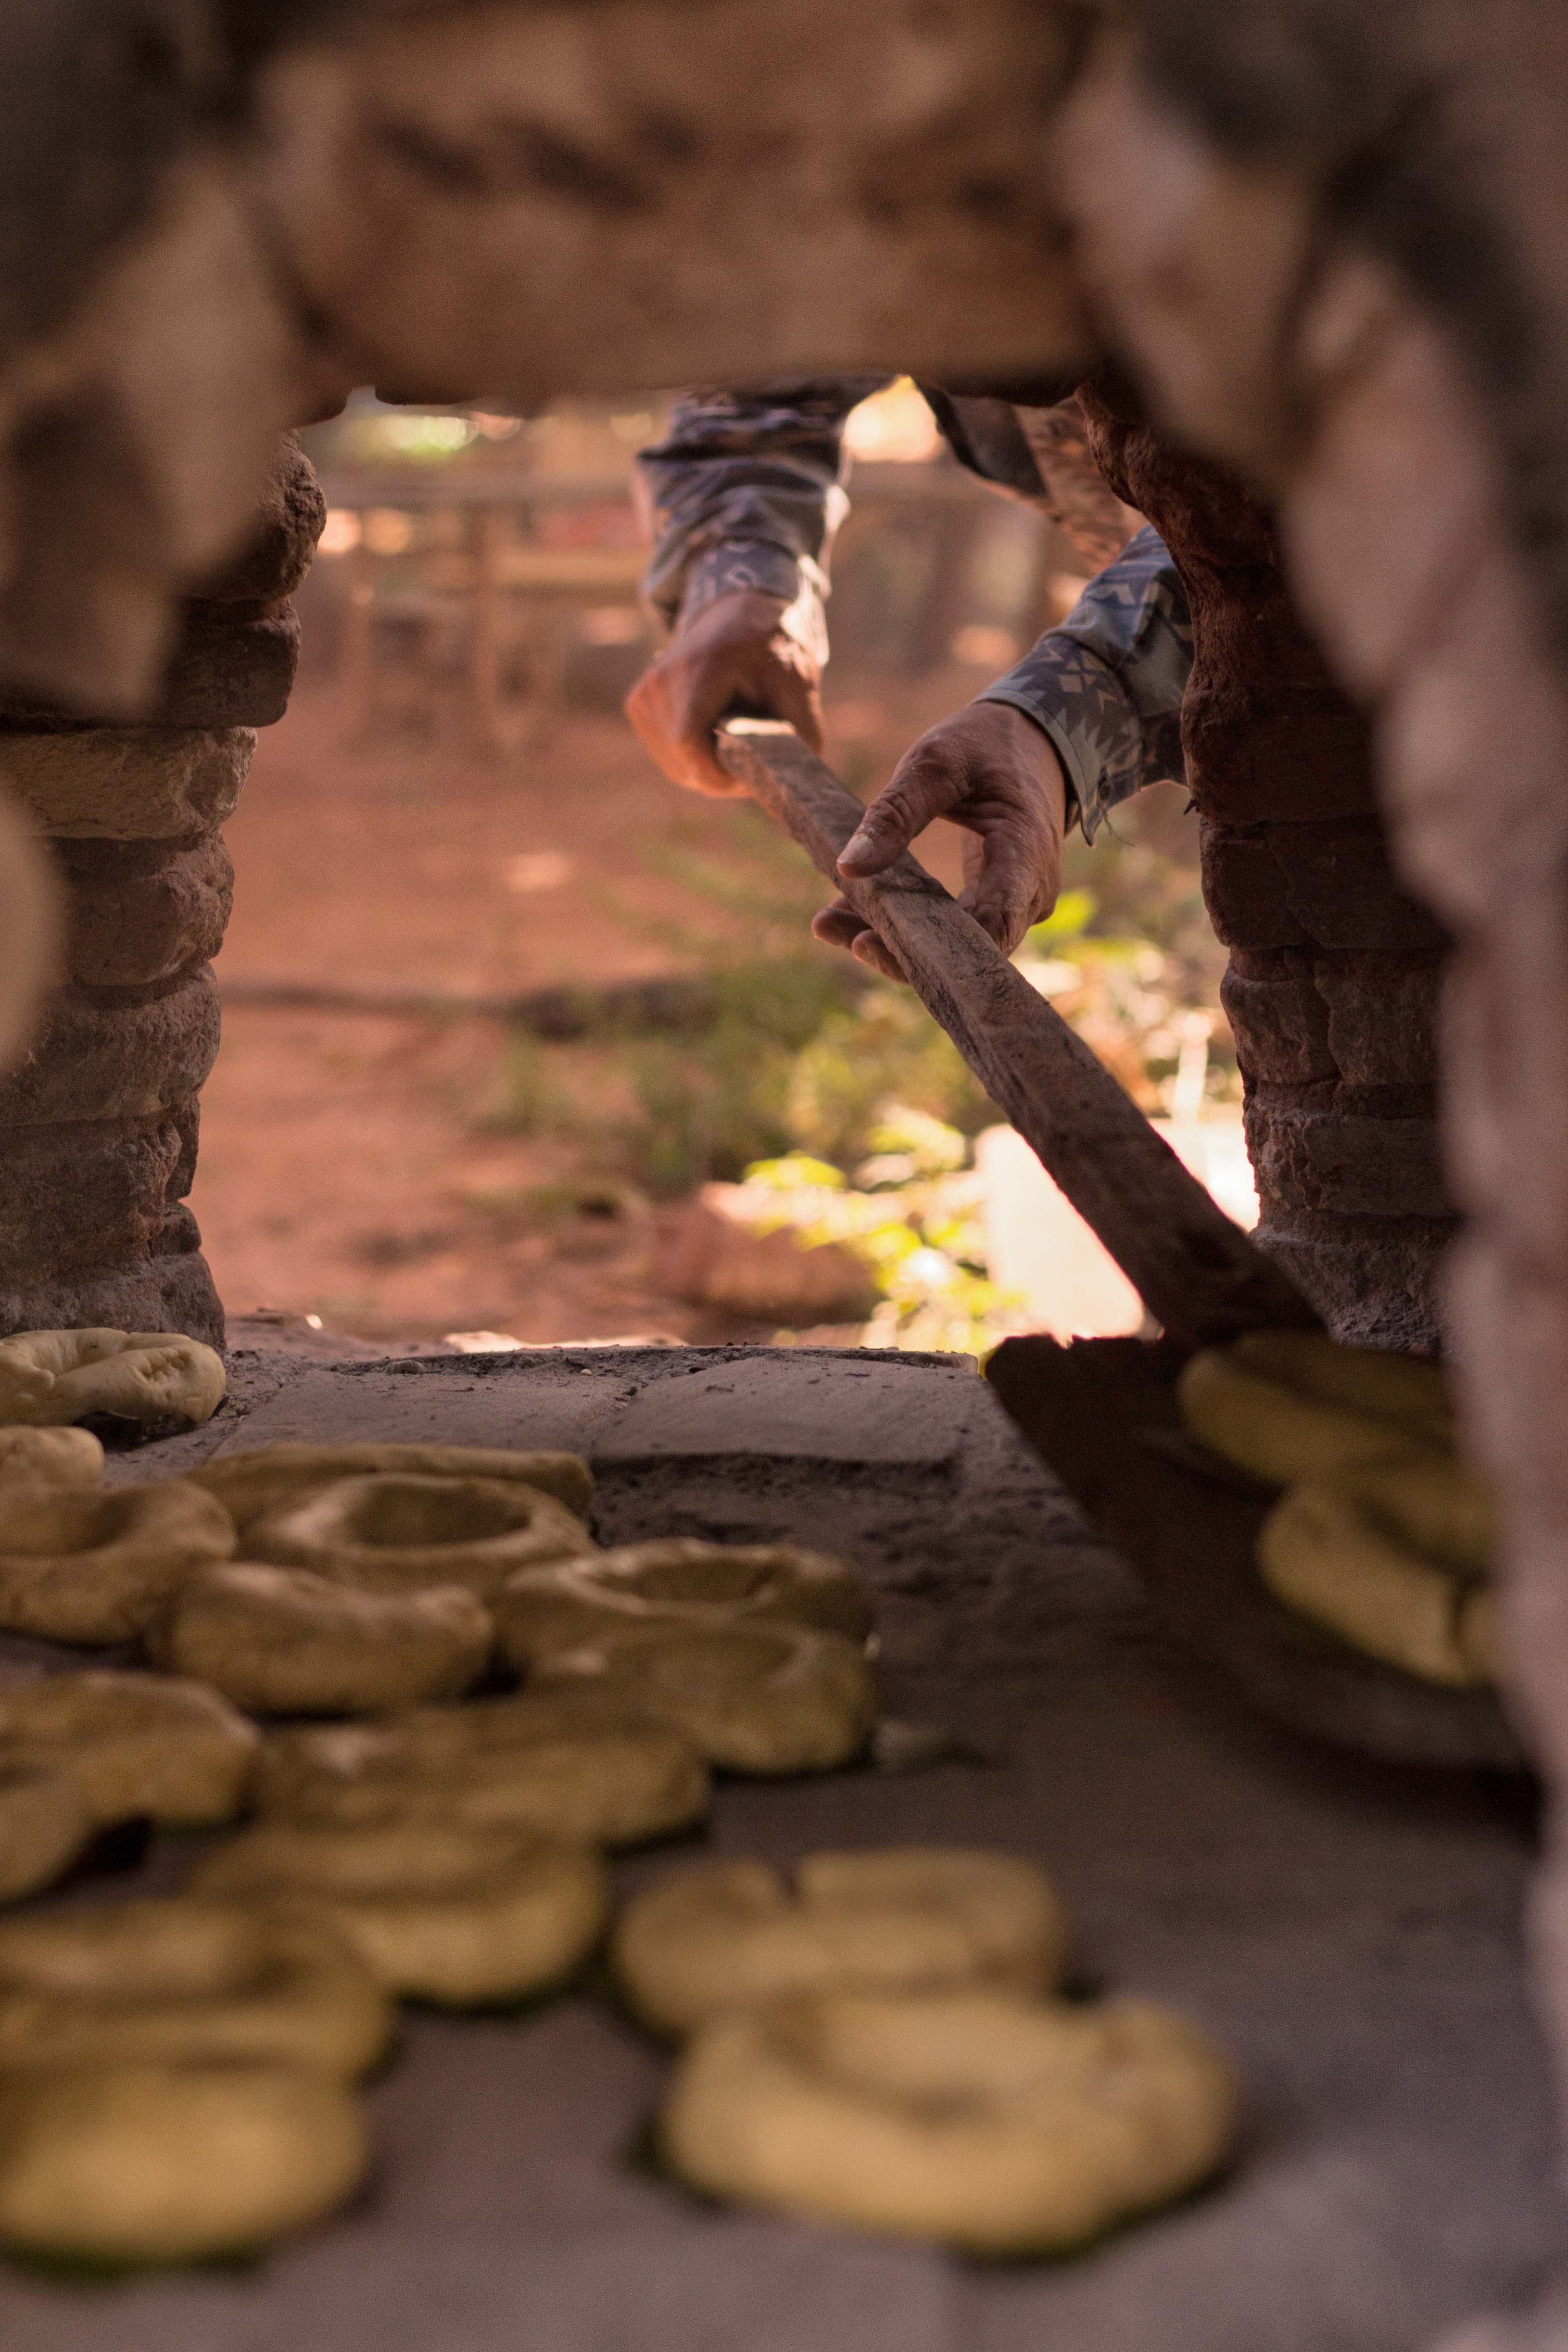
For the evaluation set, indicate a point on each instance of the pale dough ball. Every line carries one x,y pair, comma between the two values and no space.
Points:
754,1698
53,1457
251,1484
1282,1432
1391,1558
281,1641
679,1582
185,1979
550,1769
45,1823
732,1935
96,1567
160,2164
394,1533
975,2118
131,1744
49,1377
437,1911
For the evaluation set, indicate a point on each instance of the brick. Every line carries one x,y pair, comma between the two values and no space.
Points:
128,783
139,911
82,1197
278,553
1243,889
1280,1023
1341,885
232,665
1345,1165
94,1060
170,1290
1382,1015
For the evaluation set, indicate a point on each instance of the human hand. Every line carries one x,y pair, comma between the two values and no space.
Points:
993,772
735,655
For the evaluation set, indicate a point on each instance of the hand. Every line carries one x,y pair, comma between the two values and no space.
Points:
992,770
735,655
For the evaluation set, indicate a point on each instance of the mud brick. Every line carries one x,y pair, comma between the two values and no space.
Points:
1279,1022
82,1197
1340,885
1243,889
277,554
139,911
99,1060
128,783
1346,1165
1382,1015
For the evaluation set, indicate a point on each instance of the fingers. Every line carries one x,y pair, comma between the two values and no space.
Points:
928,782
838,926
735,655
665,706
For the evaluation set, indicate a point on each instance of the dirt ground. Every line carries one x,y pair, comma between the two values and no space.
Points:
365,1167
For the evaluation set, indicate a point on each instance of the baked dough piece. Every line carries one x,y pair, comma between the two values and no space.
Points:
49,1377
1356,1411
252,1484
183,1980
677,1582
754,1698
552,1768
436,1910
977,2118
45,1823
731,1935
394,1533
1393,1558
168,2164
50,1457
279,1640
96,1567
131,1744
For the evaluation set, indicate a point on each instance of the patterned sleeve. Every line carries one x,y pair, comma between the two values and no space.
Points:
1106,686
745,492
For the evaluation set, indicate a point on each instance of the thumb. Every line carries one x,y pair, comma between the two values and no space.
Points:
925,786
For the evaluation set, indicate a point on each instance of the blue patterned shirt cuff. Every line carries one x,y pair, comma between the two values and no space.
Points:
1107,685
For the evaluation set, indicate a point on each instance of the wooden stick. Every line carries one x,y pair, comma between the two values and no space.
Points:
1198,1273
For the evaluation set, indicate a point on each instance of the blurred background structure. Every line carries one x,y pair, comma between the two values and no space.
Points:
529,1046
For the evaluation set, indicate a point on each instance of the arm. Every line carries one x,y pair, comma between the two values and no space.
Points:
1090,716
746,496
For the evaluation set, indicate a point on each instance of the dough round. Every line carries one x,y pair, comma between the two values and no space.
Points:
49,1377
754,1698
168,2164
393,1533
677,1580
183,1980
1391,1558
731,1935
45,1823
96,1567
1409,1392
52,1457
250,1485
977,2118
1281,1433
279,1640
132,1744
436,1911
552,1769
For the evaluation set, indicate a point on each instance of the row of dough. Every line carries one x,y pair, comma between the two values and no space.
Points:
881,2044
1383,1535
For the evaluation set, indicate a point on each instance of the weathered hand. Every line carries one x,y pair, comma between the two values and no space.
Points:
992,770
735,655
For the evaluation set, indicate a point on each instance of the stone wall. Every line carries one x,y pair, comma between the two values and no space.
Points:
98,1123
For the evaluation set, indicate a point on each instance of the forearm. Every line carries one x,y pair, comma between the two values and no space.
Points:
744,492
1107,685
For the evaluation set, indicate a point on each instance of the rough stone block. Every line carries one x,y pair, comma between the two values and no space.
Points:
1376,1281
83,1197
232,665
1382,1015
139,911
95,1060
1341,888
1281,757
1349,1166
169,1291
1243,889
1278,1020
128,783
277,554
229,671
